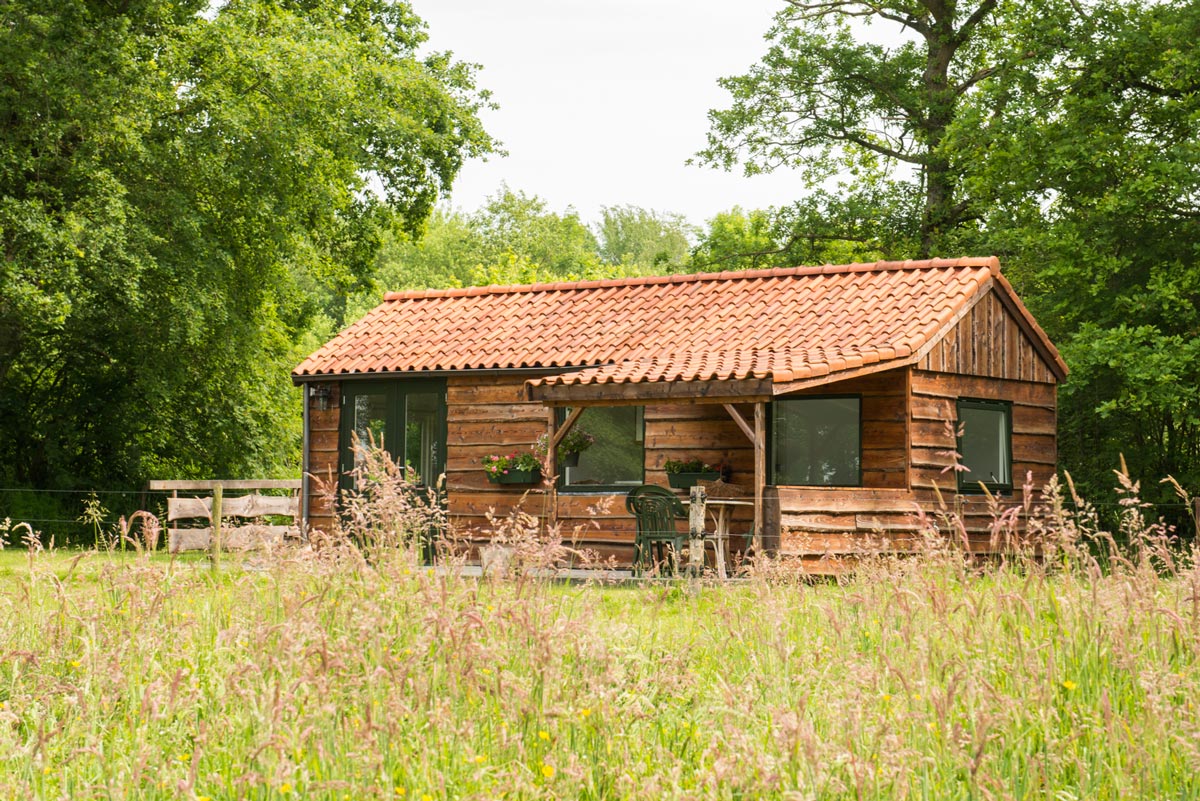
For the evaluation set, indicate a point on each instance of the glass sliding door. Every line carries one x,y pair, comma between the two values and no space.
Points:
406,418
424,436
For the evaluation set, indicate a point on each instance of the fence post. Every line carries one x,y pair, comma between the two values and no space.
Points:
216,522
696,529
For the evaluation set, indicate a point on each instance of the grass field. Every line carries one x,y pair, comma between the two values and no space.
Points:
135,677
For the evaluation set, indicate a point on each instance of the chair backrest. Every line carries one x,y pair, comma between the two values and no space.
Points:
655,508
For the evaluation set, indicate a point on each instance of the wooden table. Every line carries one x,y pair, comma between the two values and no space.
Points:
720,536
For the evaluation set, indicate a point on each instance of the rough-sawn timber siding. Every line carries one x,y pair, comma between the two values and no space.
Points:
489,415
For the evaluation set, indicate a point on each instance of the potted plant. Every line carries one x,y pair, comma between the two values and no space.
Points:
573,443
516,468
682,475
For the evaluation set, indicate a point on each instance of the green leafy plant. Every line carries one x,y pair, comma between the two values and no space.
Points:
495,465
577,440
697,466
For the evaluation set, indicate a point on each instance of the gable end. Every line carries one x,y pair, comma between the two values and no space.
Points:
990,340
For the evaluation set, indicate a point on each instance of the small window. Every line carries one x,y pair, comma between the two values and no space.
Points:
817,442
985,445
618,455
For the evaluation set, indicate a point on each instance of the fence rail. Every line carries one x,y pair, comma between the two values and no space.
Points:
214,509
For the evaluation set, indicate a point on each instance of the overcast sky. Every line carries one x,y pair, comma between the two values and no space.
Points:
602,102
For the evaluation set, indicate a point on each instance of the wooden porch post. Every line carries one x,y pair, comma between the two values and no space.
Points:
760,473
548,468
555,434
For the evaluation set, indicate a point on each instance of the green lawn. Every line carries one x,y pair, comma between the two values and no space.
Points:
147,678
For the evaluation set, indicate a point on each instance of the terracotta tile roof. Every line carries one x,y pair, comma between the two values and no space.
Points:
786,324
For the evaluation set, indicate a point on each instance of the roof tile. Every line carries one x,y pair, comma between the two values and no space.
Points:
786,323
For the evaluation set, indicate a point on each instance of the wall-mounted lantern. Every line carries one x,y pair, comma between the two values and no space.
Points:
321,395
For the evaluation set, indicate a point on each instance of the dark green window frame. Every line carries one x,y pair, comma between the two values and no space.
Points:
395,394
606,489
969,484
772,429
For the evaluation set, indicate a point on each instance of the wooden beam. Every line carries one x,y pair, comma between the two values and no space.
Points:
760,473
229,484
741,421
640,392
843,375
557,436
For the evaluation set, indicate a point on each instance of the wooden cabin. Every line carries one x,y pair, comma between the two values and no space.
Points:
837,395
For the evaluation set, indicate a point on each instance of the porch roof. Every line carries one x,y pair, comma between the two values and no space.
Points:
768,330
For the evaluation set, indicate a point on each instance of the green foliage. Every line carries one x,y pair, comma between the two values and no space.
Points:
1061,137
182,197
737,239
513,238
1092,188
1077,682
499,464
829,100
646,239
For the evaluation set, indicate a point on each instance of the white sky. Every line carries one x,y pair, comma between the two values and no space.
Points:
602,102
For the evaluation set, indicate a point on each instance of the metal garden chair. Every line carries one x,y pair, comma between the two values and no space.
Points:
656,510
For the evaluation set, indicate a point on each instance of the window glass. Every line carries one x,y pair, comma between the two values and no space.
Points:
370,422
817,442
984,444
618,454
421,434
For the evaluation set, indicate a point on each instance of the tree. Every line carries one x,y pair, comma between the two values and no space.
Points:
512,238
832,102
1092,187
642,238
523,226
181,195
738,240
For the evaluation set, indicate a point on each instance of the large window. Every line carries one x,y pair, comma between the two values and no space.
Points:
817,442
407,418
985,445
617,457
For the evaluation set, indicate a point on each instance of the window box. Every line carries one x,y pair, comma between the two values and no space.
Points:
687,480
516,477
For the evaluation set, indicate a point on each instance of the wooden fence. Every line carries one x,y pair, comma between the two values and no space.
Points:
215,508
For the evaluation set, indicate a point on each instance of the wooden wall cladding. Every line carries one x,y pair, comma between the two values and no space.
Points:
988,341
491,415
323,428
1034,419
822,525
908,419
884,424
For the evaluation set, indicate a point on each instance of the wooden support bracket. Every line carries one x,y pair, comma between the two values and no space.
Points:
741,421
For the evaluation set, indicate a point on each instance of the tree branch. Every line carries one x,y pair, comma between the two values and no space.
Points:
964,33
866,10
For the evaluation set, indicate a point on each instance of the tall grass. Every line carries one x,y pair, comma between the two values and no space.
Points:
335,672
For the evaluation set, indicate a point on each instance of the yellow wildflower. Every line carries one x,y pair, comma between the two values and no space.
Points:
401,791
548,771
75,663
583,713
285,788
46,771
1069,685
185,757
543,735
